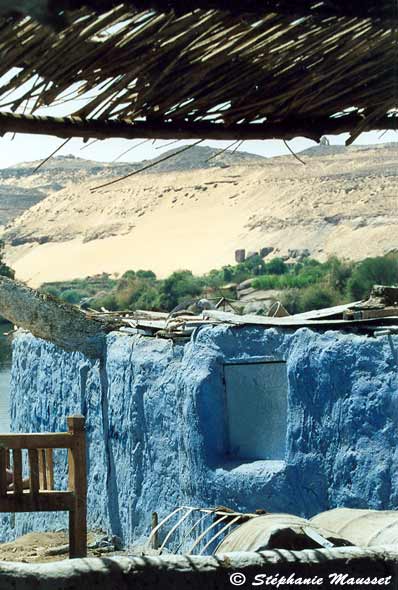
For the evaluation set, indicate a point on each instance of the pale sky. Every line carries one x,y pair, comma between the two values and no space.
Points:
30,147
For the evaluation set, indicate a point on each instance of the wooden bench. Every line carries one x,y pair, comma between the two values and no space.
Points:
40,496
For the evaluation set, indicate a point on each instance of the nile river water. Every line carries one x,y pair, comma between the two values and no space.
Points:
5,373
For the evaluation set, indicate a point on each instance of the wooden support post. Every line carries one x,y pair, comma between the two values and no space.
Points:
155,538
78,485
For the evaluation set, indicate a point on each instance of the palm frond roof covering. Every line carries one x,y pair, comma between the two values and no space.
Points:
204,69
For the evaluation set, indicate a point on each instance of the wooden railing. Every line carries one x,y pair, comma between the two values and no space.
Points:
36,492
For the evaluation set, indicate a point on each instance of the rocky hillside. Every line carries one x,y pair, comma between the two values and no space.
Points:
195,210
21,187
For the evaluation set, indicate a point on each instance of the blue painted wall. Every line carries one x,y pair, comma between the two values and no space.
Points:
156,424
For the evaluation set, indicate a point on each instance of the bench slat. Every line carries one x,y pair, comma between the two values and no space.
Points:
57,440
49,469
42,502
42,469
34,471
17,467
3,472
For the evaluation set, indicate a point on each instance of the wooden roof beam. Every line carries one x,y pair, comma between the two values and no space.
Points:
45,317
312,128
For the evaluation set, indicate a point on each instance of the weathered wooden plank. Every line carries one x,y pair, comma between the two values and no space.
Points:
66,326
49,469
34,471
58,440
42,469
3,472
291,321
48,501
17,469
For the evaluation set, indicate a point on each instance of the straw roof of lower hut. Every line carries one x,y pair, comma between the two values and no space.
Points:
199,69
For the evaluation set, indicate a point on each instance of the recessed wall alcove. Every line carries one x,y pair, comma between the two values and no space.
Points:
256,410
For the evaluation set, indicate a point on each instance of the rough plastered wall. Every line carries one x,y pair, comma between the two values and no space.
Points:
156,424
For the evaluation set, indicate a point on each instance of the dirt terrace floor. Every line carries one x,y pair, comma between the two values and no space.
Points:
45,547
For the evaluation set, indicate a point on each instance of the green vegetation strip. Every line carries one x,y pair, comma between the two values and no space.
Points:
304,285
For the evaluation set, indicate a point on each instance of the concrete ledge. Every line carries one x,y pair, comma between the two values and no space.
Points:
379,565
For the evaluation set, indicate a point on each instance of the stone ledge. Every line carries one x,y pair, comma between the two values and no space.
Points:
207,572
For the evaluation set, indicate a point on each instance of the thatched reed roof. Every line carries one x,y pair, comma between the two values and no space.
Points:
200,69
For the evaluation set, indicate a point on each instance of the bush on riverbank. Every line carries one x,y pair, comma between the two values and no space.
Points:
307,284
